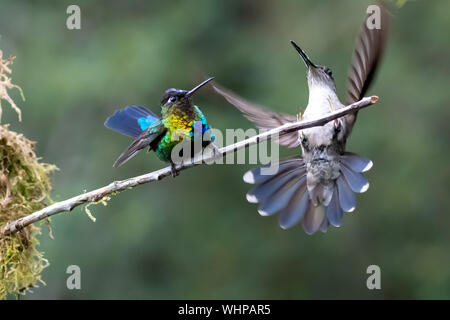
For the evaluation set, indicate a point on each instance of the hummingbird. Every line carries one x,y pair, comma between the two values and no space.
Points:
318,186
179,120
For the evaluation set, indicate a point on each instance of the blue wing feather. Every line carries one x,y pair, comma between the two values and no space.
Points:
131,121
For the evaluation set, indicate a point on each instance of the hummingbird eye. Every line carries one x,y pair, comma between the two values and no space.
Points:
172,99
328,72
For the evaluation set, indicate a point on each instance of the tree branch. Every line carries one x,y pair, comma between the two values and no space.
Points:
117,186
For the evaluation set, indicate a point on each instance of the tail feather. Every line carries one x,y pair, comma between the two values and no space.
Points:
295,210
255,175
280,198
269,186
131,121
322,194
286,192
325,225
314,217
356,163
334,210
356,181
347,198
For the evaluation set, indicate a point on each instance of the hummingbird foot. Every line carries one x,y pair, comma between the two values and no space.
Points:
215,150
332,109
174,170
210,152
299,119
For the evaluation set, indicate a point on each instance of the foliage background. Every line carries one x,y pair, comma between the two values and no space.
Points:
196,236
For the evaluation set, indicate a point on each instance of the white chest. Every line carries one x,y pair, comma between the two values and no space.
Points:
322,100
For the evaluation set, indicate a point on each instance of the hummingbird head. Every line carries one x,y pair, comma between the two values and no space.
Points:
317,75
180,98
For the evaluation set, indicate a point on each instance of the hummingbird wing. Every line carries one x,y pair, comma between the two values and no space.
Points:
149,135
128,121
369,49
260,116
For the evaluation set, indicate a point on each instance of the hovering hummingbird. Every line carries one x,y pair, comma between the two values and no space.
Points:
177,124
317,187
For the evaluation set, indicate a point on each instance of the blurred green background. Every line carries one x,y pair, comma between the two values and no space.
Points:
196,236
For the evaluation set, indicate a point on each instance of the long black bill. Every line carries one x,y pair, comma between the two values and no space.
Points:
305,58
190,93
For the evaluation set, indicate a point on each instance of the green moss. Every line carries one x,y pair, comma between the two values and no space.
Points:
24,188
103,201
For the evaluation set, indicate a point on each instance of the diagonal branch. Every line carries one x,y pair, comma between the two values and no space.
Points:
117,186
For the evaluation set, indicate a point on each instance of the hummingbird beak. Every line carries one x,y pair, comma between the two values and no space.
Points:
190,93
302,53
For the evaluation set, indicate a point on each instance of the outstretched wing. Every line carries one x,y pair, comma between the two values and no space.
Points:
366,57
131,120
152,133
260,116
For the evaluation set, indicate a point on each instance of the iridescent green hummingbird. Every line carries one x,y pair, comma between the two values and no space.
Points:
318,186
180,118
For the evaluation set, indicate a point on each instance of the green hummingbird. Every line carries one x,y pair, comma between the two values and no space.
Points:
179,120
318,186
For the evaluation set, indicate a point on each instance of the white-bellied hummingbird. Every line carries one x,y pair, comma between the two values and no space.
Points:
318,186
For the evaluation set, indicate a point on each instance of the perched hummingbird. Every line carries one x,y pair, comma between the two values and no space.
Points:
179,116
317,187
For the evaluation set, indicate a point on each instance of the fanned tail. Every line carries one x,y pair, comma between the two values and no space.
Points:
288,193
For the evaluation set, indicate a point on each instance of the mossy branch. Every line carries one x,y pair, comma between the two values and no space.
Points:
24,189
117,186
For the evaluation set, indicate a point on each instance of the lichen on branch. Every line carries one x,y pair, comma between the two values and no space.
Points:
5,84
